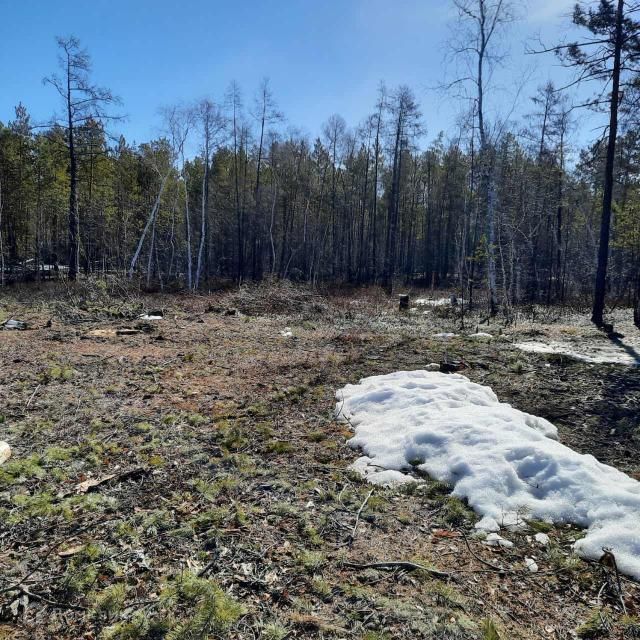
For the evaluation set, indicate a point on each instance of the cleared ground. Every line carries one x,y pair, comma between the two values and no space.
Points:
186,477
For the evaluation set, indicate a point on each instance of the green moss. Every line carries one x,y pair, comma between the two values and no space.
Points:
321,588
233,439
156,521
211,519
110,601
630,627
140,627
259,409
595,626
273,631
35,506
264,429
82,571
455,512
211,610
444,595
284,509
489,631
46,505
196,419
18,470
211,490
311,561
310,533
539,526
279,447
57,372
60,454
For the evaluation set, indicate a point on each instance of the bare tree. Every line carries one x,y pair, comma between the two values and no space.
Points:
234,105
1,243
406,122
83,102
212,123
476,50
164,156
265,112
334,131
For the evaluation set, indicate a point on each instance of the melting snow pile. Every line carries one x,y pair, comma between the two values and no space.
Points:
617,352
439,302
505,462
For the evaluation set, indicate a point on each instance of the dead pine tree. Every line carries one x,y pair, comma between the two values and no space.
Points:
83,102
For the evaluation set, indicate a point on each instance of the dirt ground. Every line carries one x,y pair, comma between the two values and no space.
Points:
186,477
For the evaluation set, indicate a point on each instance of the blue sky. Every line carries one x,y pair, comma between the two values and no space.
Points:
322,56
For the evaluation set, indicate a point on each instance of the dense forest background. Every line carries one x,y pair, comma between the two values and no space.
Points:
504,212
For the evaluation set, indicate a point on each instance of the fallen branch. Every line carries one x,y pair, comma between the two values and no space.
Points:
352,536
33,395
401,564
479,559
52,603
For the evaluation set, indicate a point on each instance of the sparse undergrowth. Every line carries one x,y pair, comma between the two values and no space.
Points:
188,480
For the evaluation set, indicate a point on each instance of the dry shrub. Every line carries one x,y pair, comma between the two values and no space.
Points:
277,297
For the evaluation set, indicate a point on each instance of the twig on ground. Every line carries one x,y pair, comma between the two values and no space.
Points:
33,395
352,536
479,559
400,564
52,603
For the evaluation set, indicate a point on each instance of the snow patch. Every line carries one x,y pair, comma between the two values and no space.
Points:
495,540
286,333
430,302
445,336
378,475
609,352
438,302
542,538
5,452
508,464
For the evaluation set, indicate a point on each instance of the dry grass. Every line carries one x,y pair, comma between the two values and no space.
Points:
230,508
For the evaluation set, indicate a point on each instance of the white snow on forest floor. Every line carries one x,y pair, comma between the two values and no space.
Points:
430,302
439,302
506,463
600,352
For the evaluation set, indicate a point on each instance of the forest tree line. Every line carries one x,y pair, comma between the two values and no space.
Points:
505,212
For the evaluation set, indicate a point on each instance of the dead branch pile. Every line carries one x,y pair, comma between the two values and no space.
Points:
277,297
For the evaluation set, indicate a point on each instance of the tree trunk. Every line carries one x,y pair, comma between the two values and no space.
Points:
597,316
74,216
150,220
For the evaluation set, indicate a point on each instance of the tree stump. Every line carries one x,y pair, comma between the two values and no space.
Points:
404,301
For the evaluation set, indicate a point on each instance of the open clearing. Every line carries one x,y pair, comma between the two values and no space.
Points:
187,475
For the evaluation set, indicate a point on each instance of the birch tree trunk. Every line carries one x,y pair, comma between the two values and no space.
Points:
150,221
